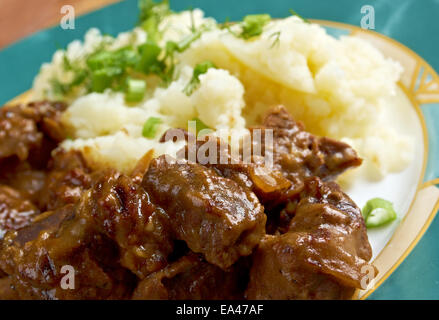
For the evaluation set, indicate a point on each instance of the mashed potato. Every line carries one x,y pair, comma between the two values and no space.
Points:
337,87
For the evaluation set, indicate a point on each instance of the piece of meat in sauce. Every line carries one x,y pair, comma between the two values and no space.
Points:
15,210
30,130
114,227
68,175
21,176
214,215
121,210
267,183
278,274
323,254
7,289
299,154
34,256
296,154
192,278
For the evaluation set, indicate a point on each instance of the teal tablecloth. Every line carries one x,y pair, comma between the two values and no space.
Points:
412,22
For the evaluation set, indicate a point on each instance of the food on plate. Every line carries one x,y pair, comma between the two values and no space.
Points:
227,76
326,236
378,212
186,223
188,159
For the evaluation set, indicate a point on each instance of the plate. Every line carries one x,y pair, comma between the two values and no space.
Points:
414,191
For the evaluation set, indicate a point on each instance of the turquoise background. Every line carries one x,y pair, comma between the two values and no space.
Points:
412,22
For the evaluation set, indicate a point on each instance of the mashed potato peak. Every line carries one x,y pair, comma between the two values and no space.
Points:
337,87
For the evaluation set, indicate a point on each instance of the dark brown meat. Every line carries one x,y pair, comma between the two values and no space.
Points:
185,230
68,176
15,210
278,274
321,256
22,177
27,129
191,278
296,155
34,257
324,204
299,154
7,290
214,215
121,210
28,135
268,184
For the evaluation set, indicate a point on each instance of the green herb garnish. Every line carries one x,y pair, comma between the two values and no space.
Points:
294,13
151,14
276,41
193,28
104,78
135,90
110,69
79,77
199,69
123,58
378,212
150,127
149,62
253,25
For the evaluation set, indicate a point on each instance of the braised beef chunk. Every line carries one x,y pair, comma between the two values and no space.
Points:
323,204
278,273
191,278
35,255
15,210
322,254
214,215
299,154
114,228
26,129
68,176
7,290
267,183
121,210
22,177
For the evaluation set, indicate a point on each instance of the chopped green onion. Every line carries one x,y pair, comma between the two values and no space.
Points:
294,13
151,14
276,41
150,127
202,68
193,28
186,42
135,90
122,58
80,77
103,78
378,212
199,69
109,69
100,59
149,58
127,57
66,63
253,25
59,88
